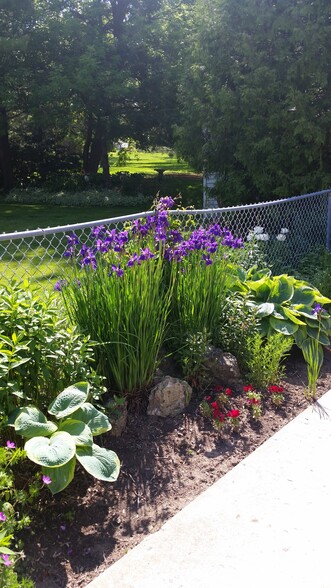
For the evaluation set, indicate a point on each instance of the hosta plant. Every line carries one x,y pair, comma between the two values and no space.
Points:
57,444
291,307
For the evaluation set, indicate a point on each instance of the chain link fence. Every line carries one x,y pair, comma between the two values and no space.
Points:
286,230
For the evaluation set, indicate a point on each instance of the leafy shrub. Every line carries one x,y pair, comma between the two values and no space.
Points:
264,358
238,322
293,308
89,197
39,352
56,446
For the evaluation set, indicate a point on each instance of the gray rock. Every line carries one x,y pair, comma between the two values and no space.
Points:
222,369
169,397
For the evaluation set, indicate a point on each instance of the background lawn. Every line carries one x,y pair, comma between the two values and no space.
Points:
145,162
40,259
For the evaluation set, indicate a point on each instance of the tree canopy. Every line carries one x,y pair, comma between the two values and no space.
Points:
256,96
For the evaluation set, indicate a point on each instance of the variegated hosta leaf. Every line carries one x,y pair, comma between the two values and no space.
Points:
61,476
69,400
79,431
31,422
93,418
101,463
51,452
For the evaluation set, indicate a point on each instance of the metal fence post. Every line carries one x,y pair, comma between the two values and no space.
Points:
328,228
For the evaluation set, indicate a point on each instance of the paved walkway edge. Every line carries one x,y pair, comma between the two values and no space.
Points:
266,524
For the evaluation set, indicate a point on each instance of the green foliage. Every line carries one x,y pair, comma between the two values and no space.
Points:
259,113
291,307
39,352
126,315
264,358
56,446
238,322
315,267
14,504
192,356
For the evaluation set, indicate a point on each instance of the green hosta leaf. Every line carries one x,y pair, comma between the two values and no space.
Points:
282,289
265,309
299,336
303,295
69,400
80,432
53,452
101,463
292,316
31,422
61,476
285,327
319,335
261,288
94,418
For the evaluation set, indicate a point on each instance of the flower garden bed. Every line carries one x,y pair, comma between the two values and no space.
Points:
165,463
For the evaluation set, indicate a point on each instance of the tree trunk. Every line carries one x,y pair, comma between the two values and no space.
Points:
87,144
5,163
105,163
96,148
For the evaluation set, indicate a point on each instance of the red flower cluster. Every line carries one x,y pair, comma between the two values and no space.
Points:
248,388
233,414
275,389
219,389
217,414
253,401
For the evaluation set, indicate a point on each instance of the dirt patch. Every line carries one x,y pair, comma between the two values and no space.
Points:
166,463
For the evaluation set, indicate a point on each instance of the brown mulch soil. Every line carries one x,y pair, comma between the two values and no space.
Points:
166,463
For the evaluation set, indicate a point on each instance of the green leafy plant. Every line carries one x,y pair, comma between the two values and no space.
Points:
57,445
287,305
39,352
264,358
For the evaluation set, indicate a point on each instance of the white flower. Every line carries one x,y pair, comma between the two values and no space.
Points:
250,236
262,237
258,230
281,237
284,231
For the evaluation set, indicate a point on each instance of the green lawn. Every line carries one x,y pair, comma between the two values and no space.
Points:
144,162
19,217
40,259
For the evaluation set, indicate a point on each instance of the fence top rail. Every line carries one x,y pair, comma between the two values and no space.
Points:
138,215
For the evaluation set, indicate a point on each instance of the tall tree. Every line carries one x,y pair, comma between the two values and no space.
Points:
260,75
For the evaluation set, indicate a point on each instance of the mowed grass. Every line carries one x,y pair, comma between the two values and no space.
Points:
144,162
40,259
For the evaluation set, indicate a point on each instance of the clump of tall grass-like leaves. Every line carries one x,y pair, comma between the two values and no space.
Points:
118,294
131,286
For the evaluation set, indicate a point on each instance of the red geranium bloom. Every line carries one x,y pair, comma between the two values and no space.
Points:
276,389
248,388
218,389
221,418
233,414
208,398
253,401
228,391
214,405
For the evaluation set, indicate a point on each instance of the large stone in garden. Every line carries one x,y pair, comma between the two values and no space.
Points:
222,369
169,397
